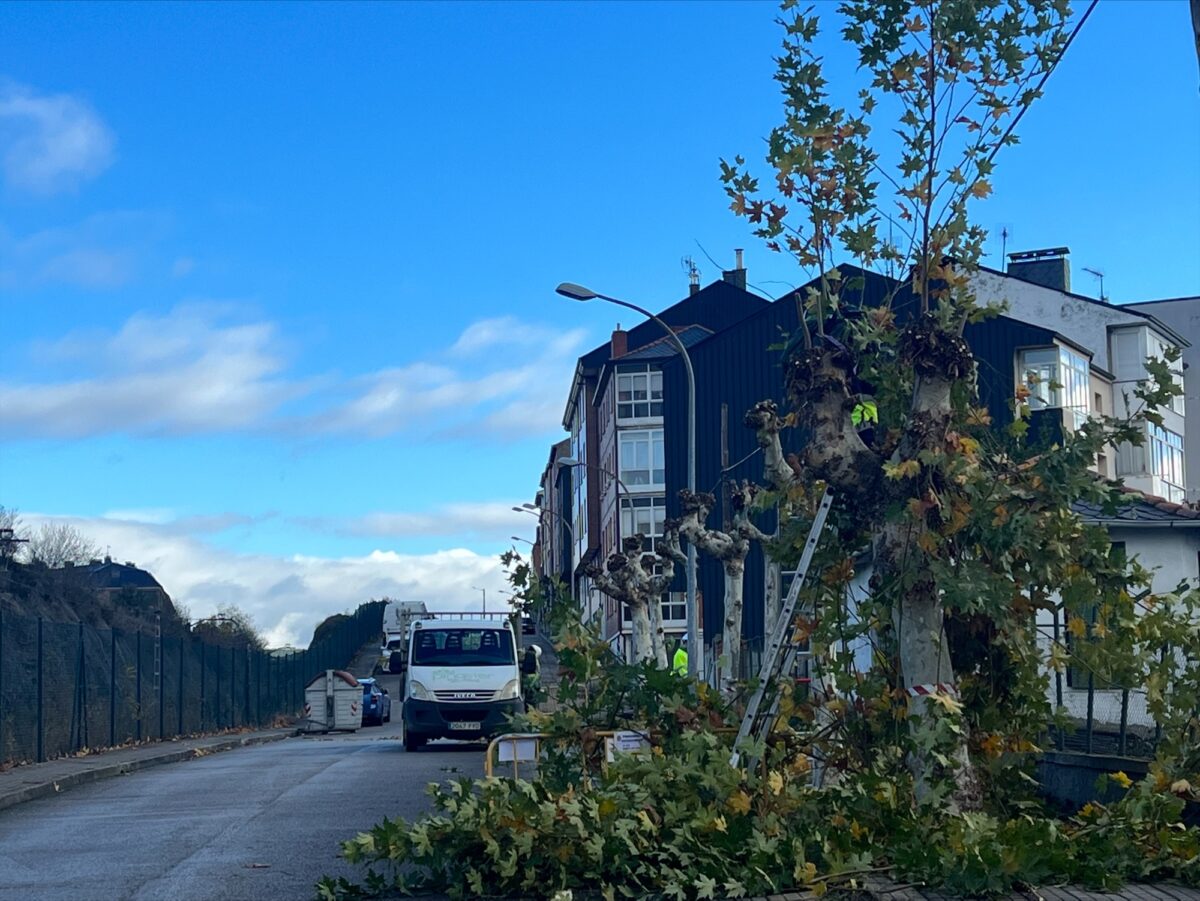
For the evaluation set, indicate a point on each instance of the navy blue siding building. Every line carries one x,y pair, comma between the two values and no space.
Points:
742,365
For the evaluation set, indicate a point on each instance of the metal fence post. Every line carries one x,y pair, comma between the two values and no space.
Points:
162,679
246,691
79,713
1058,686
3,756
1091,693
138,684
232,687
41,750
217,690
179,704
258,686
203,669
112,687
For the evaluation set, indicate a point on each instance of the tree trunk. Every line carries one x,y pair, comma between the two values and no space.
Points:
918,616
772,595
656,632
643,642
735,571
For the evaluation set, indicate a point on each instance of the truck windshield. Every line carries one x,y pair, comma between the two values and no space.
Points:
463,647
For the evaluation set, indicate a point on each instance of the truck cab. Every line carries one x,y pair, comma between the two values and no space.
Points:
462,680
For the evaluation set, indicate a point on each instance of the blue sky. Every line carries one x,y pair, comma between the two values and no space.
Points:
276,280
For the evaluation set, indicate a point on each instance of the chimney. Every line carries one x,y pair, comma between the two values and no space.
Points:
736,276
1050,268
620,341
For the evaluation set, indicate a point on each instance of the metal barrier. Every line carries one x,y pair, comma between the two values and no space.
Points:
67,687
518,742
526,747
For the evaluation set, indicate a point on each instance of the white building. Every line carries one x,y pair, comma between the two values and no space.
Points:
1036,290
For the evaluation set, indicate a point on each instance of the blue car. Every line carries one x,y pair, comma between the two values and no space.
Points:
376,704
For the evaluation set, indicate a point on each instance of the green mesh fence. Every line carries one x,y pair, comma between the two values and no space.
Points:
67,687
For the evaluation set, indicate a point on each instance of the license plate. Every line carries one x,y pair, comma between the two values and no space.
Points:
466,727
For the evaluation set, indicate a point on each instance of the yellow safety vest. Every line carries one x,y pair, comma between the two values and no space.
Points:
680,662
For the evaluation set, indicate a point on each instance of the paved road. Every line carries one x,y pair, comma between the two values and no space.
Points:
199,829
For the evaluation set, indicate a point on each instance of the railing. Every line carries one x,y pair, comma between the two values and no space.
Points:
466,615
1105,717
68,687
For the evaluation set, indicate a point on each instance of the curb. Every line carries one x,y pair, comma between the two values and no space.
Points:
107,771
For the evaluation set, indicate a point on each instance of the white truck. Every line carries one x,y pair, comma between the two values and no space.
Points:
462,679
397,618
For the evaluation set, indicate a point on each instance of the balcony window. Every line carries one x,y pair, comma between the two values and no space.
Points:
1166,459
639,394
1158,350
1057,378
642,459
644,515
674,610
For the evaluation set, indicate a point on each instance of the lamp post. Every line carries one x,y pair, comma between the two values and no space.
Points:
580,293
519,538
484,590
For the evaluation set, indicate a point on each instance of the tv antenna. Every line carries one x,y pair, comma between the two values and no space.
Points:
692,270
1005,234
1100,275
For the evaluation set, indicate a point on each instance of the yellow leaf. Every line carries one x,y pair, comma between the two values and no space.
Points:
1099,629
856,831
719,824
775,782
979,416
1076,626
981,189
819,889
1181,787
947,703
992,745
1121,779
808,873
739,802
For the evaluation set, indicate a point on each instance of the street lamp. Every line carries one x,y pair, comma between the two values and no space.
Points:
535,510
580,293
484,590
621,486
519,538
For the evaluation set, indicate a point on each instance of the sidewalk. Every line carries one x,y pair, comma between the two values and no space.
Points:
38,780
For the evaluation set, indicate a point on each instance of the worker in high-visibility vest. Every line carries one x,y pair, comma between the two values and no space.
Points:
679,662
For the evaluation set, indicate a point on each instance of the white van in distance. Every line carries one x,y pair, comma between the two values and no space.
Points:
462,680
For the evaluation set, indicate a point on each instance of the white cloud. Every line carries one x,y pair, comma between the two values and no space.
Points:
153,515
50,142
503,331
288,596
202,368
186,372
102,251
483,520
495,396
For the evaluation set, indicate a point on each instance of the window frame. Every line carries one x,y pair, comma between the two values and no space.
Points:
629,407
632,476
1167,460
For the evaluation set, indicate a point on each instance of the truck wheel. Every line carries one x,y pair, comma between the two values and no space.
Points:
413,742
